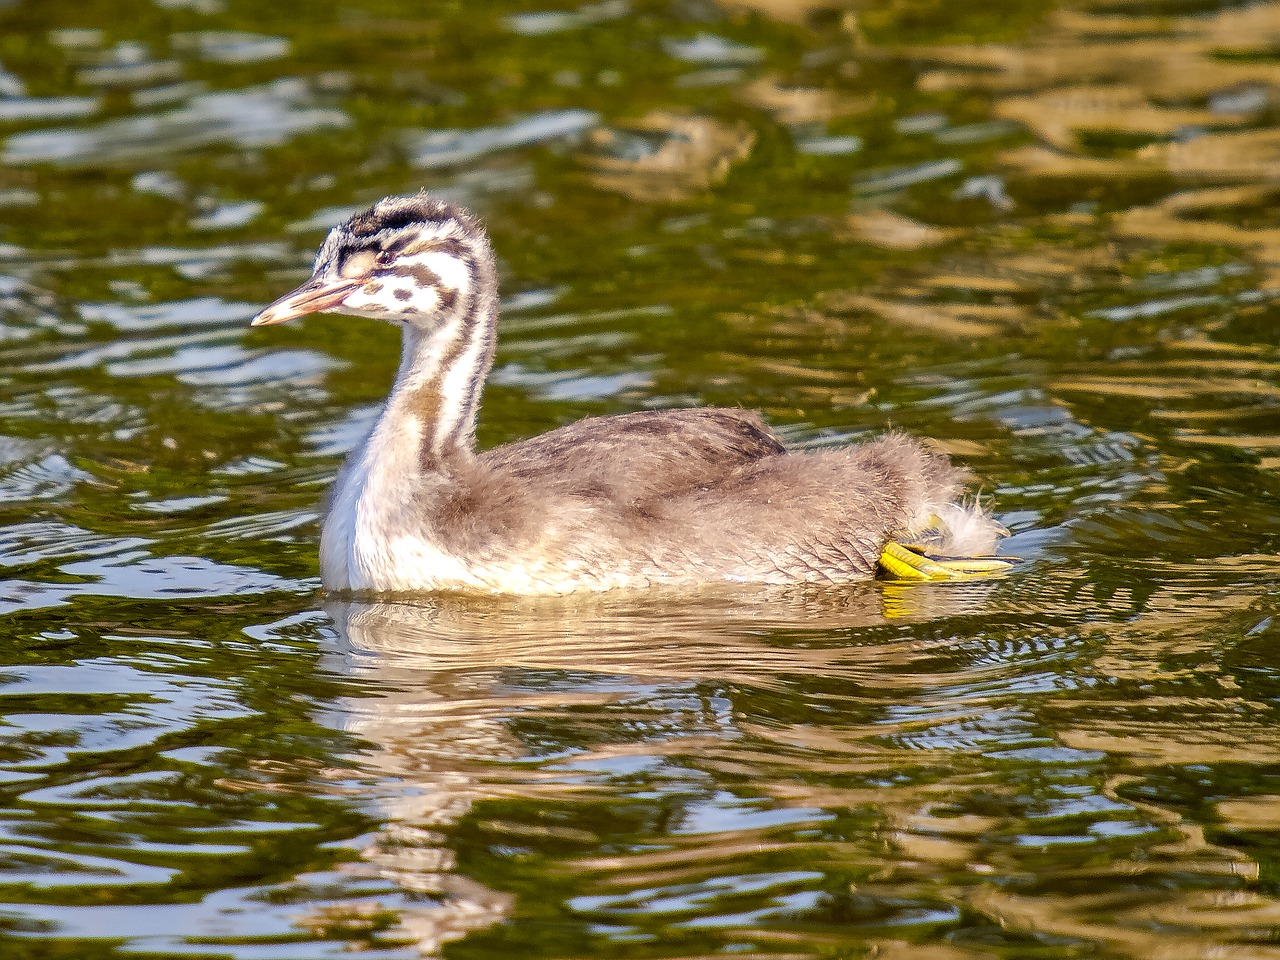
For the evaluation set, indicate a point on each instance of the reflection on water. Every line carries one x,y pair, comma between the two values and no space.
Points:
747,772
1043,237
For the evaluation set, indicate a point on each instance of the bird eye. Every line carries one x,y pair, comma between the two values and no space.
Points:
385,258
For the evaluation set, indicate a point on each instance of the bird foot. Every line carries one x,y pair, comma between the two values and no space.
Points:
903,562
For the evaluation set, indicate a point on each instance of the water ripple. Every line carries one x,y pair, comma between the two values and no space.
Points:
1044,239
252,117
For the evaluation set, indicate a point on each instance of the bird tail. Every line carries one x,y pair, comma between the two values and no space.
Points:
955,529
956,542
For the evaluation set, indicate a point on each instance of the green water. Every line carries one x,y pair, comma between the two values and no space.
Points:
1044,237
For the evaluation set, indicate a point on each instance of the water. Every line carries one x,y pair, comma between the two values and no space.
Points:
1042,236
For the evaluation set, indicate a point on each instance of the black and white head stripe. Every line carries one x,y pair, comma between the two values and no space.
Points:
395,213
416,257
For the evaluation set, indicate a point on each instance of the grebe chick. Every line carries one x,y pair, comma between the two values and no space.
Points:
654,497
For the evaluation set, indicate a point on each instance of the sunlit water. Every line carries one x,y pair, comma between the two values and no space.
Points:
1043,237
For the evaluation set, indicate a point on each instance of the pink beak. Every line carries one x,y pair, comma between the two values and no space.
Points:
314,296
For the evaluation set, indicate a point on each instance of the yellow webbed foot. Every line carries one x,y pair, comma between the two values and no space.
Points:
904,563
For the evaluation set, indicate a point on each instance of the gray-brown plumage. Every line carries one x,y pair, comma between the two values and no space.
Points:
677,496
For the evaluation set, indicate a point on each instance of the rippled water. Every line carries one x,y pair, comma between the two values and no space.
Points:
1044,237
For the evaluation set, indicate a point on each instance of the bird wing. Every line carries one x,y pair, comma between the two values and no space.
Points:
634,457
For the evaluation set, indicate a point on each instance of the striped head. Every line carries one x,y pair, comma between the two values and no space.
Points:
414,261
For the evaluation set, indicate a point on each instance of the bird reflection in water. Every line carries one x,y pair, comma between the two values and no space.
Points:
448,675
691,751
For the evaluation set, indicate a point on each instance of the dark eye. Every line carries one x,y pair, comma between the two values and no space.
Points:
386,258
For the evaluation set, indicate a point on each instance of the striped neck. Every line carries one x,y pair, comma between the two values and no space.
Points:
443,368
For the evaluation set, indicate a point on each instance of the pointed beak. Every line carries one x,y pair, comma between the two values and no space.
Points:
313,296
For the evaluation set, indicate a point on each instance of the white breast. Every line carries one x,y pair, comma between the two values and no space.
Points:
364,547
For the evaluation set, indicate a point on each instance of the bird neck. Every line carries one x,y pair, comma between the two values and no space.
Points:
442,373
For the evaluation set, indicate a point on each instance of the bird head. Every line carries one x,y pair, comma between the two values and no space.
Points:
406,260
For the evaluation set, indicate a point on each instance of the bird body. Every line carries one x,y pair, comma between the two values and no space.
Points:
653,497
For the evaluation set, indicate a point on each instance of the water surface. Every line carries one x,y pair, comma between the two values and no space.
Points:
1042,236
